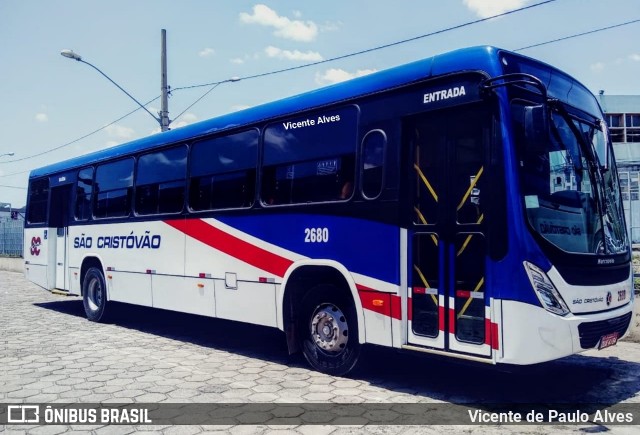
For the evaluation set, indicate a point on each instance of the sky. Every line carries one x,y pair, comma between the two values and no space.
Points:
48,102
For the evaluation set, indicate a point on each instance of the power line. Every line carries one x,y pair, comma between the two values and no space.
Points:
15,173
215,84
75,140
579,34
379,47
195,102
13,187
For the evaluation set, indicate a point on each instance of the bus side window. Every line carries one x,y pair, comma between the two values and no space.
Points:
310,158
160,181
223,171
113,189
84,189
38,198
373,150
311,181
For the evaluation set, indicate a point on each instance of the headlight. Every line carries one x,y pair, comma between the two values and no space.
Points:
546,291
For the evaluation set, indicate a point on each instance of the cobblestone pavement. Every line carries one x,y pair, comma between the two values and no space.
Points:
50,353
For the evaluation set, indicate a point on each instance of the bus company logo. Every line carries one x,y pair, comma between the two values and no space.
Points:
35,246
131,241
608,298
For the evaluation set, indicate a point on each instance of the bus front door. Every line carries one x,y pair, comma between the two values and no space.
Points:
447,304
59,217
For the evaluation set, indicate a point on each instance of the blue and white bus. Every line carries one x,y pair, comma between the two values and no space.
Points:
465,205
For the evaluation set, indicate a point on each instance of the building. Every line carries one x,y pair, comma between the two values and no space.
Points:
623,118
11,230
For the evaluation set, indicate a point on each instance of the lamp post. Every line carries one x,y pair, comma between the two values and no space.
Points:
7,154
163,119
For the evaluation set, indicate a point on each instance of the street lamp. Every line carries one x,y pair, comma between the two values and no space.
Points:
163,121
7,154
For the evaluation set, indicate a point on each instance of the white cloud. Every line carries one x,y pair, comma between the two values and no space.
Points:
598,67
238,107
237,60
309,56
284,27
42,117
337,75
119,131
329,26
186,119
488,8
207,52
111,143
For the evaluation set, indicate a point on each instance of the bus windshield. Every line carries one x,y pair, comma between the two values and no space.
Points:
569,182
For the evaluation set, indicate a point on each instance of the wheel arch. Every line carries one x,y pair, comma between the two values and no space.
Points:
89,261
300,278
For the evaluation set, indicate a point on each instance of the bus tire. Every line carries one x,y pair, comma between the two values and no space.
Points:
94,295
329,330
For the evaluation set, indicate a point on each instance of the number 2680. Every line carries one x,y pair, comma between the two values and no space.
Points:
316,235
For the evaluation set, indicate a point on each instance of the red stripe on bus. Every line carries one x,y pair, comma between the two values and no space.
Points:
391,306
495,343
463,293
270,262
396,308
487,331
367,298
231,245
364,288
452,321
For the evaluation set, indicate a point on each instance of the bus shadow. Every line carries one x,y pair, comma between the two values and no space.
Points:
236,337
573,380
577,379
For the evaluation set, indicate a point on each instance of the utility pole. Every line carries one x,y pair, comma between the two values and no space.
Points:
164,109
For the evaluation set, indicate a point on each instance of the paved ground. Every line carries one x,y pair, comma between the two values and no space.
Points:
50,353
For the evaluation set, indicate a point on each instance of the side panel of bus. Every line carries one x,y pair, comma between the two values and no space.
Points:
39,256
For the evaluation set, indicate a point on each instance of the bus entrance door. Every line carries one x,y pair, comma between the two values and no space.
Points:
60,196
447,305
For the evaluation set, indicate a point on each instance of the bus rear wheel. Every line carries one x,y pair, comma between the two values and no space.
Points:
329,331
94,295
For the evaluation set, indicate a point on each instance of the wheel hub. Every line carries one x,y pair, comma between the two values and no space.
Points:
329,328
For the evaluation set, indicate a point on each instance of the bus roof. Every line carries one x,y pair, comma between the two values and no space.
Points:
483,58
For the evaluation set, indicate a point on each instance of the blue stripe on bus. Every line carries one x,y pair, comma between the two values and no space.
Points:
365,247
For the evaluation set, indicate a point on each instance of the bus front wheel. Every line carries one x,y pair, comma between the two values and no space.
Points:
94,295
329,330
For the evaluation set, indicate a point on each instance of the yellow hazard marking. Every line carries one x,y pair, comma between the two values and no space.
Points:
469,237
425,283
420,215
471,186
466,304
426,182
424,221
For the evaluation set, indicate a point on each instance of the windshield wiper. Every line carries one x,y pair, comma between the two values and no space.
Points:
586,144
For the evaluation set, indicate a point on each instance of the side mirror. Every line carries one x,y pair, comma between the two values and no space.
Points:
604,152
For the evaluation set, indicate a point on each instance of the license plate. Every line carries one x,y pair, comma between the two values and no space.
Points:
608,340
